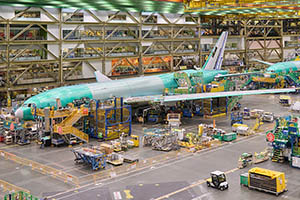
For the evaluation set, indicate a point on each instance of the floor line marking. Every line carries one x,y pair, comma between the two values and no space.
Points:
200,182
9,146
158,167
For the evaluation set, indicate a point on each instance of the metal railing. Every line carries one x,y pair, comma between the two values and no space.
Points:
125,169
5,186
35,166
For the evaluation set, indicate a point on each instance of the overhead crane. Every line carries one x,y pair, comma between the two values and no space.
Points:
247,8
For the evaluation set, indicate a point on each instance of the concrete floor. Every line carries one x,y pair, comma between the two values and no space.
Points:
161,179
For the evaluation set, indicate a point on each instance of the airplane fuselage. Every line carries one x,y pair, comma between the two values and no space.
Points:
284,67
130,87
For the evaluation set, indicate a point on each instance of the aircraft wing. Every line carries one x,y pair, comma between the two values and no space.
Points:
208,95
141,99
224,94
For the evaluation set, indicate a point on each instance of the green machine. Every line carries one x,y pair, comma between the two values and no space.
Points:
20,196
228,137
244,179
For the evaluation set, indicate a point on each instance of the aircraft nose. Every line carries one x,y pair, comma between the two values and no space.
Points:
19,113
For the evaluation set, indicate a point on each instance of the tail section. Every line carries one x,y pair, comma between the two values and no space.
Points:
215,59
101,77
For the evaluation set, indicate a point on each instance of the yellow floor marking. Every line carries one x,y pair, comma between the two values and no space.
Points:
232,170
9,146
190,186
128,195
157,184
141,184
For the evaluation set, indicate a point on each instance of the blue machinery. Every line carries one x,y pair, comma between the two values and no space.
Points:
286,136
236,118
111,121
212,107
96,159
104,121
215,106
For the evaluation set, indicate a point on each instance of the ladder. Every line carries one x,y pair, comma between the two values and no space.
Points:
277,156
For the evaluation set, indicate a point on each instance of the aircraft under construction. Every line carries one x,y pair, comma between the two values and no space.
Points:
146,88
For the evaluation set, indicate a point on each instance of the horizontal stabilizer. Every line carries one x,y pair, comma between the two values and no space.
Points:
263,62
101,78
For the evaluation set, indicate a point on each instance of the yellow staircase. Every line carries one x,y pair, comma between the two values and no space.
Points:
277,157
256,126
66,126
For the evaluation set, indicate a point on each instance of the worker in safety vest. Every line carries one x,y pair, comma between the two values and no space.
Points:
100,135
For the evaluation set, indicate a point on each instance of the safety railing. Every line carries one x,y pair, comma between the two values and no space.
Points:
8,187
35,166
122,170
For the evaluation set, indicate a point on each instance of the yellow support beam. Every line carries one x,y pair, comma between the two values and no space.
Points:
247,8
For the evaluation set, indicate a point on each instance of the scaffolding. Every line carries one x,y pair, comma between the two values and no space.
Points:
42,47
109,120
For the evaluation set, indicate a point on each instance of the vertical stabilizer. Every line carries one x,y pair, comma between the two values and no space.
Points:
215,58
101,77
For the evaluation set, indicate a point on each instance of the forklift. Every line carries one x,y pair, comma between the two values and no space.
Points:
217,180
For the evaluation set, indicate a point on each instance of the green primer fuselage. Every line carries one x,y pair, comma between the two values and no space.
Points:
130,87
284,67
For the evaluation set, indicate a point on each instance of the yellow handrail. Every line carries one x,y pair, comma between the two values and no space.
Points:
11,188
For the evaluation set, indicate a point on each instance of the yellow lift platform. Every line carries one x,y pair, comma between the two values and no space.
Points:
71,115
66,126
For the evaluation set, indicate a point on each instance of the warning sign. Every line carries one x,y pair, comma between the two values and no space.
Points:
12,126
270,137
85,111
59,130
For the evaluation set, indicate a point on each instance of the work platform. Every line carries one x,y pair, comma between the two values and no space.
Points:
91,118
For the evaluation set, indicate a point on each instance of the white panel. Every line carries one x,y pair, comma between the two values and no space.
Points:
102,15
53,11
207,41
54,29
8,12
71,27
87,17
147,43
108,66
160,20
70,45
88,72
286,38
44,17
241,45
296,162
54,48
173,17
